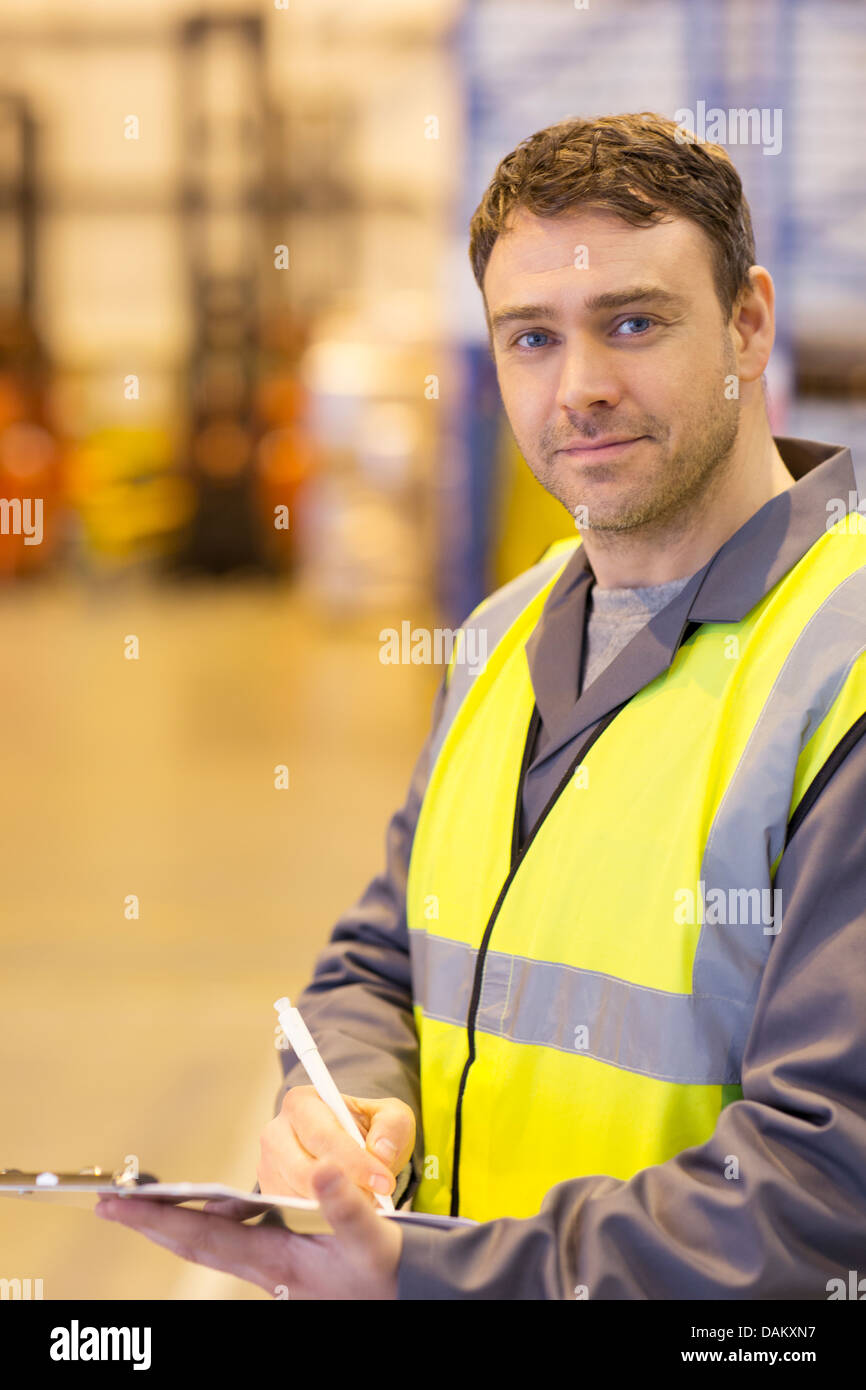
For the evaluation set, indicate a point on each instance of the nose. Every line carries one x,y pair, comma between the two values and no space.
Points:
588,378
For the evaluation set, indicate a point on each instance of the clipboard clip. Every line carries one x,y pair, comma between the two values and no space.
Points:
128,1176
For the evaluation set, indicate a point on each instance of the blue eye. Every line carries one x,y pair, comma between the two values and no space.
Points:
636,318
531,333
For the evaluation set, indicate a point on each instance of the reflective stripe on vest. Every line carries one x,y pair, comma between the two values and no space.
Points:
582,1007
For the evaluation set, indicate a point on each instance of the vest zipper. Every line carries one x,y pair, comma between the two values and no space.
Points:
517,856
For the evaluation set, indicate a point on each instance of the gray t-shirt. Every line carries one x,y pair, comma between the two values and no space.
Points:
615,616
612,618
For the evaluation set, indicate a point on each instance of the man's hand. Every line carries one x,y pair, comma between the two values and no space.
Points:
359,1261
305,1130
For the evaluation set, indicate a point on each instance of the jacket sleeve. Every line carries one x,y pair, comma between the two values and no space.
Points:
795,1217
358,1005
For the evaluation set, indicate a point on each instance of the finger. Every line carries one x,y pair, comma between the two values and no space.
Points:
234,1209
392,1134
276,1184
361,1111
284,1167
321,1134
354,1223
161,1198
258,1254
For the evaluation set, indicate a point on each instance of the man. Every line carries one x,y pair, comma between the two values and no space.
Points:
608,997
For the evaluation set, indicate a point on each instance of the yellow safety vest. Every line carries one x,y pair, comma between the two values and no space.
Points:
582,1006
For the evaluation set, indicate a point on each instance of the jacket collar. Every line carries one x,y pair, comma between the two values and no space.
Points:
742,571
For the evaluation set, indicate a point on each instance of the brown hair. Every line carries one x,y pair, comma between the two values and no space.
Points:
631,165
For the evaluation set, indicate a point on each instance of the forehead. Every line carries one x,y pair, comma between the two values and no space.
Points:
536,254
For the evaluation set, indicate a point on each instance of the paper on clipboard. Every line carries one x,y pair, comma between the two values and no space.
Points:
300,1214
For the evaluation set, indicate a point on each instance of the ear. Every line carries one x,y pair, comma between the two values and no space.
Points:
753,324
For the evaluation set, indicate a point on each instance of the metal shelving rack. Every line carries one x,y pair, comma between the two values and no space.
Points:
223,198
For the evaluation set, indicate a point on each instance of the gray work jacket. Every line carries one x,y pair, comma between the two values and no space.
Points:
796,1216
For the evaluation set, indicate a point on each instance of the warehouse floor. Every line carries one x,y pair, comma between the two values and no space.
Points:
155,777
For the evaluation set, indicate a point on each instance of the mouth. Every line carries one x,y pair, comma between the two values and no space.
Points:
599,449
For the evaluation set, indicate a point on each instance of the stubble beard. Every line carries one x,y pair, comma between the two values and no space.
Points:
664,501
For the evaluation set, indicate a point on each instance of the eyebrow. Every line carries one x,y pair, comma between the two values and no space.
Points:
613,299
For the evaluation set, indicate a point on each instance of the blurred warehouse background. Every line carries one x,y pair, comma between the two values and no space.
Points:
234,271
243,364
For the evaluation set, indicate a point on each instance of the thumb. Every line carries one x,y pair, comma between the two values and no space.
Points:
346,1208
391,1136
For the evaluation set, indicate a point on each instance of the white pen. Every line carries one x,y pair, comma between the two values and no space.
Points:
307,1054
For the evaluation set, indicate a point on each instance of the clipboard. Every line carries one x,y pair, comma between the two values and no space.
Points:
303,1215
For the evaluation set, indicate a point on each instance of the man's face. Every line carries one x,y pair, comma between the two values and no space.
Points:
625,339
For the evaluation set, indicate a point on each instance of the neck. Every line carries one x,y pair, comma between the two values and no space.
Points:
678,546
